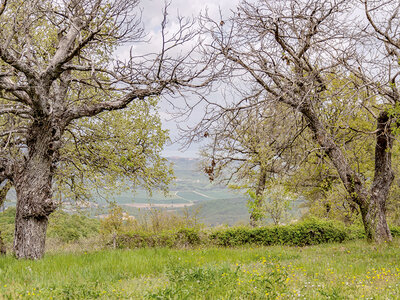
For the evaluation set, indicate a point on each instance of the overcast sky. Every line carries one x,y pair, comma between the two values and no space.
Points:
152,17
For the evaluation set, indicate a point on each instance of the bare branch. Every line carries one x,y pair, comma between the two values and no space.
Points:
94,109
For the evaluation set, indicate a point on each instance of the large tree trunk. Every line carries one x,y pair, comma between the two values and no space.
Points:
34,205
374,220
374,211
33,185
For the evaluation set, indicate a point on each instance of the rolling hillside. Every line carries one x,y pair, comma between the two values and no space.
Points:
191,190
213,204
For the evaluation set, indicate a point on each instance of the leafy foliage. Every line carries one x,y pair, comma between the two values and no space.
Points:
311,231
71,227
275,203
118,150
182,237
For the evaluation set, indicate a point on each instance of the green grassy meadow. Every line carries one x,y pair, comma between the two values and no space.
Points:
352,270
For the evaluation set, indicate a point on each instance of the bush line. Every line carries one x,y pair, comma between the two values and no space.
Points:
305,233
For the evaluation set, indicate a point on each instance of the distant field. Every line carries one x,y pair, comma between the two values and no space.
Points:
223,211
354,270
194,196
159,205
215,204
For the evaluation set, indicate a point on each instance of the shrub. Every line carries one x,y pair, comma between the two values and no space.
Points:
309,232
305,233
187,237
71,227
395,230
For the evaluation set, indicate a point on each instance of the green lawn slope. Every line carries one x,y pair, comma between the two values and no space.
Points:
352,270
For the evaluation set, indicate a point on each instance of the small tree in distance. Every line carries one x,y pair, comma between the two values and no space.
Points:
274,203
277,203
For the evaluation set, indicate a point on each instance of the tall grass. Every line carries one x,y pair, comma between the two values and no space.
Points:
352,270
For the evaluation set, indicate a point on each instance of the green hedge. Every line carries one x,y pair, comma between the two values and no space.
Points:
68,227
358,232
309,232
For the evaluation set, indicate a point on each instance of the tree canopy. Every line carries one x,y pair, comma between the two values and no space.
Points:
336,70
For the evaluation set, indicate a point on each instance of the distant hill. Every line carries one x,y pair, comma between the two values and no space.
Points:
190,190
223,211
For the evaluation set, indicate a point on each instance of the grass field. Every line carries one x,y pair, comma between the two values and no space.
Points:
354,270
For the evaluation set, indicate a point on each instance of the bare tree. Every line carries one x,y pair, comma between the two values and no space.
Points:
58,65
289,52
251,147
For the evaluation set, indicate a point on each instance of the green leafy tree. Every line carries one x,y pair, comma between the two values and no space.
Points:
115,223
113,152
60,79
274,203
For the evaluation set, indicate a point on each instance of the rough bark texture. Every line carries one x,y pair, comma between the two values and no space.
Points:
374,213
30,236
34,194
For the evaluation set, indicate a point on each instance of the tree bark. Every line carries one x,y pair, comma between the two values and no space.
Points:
374,213
374,220
33,185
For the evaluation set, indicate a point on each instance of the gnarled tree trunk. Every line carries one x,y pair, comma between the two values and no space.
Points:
374,220
33,185
373,212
